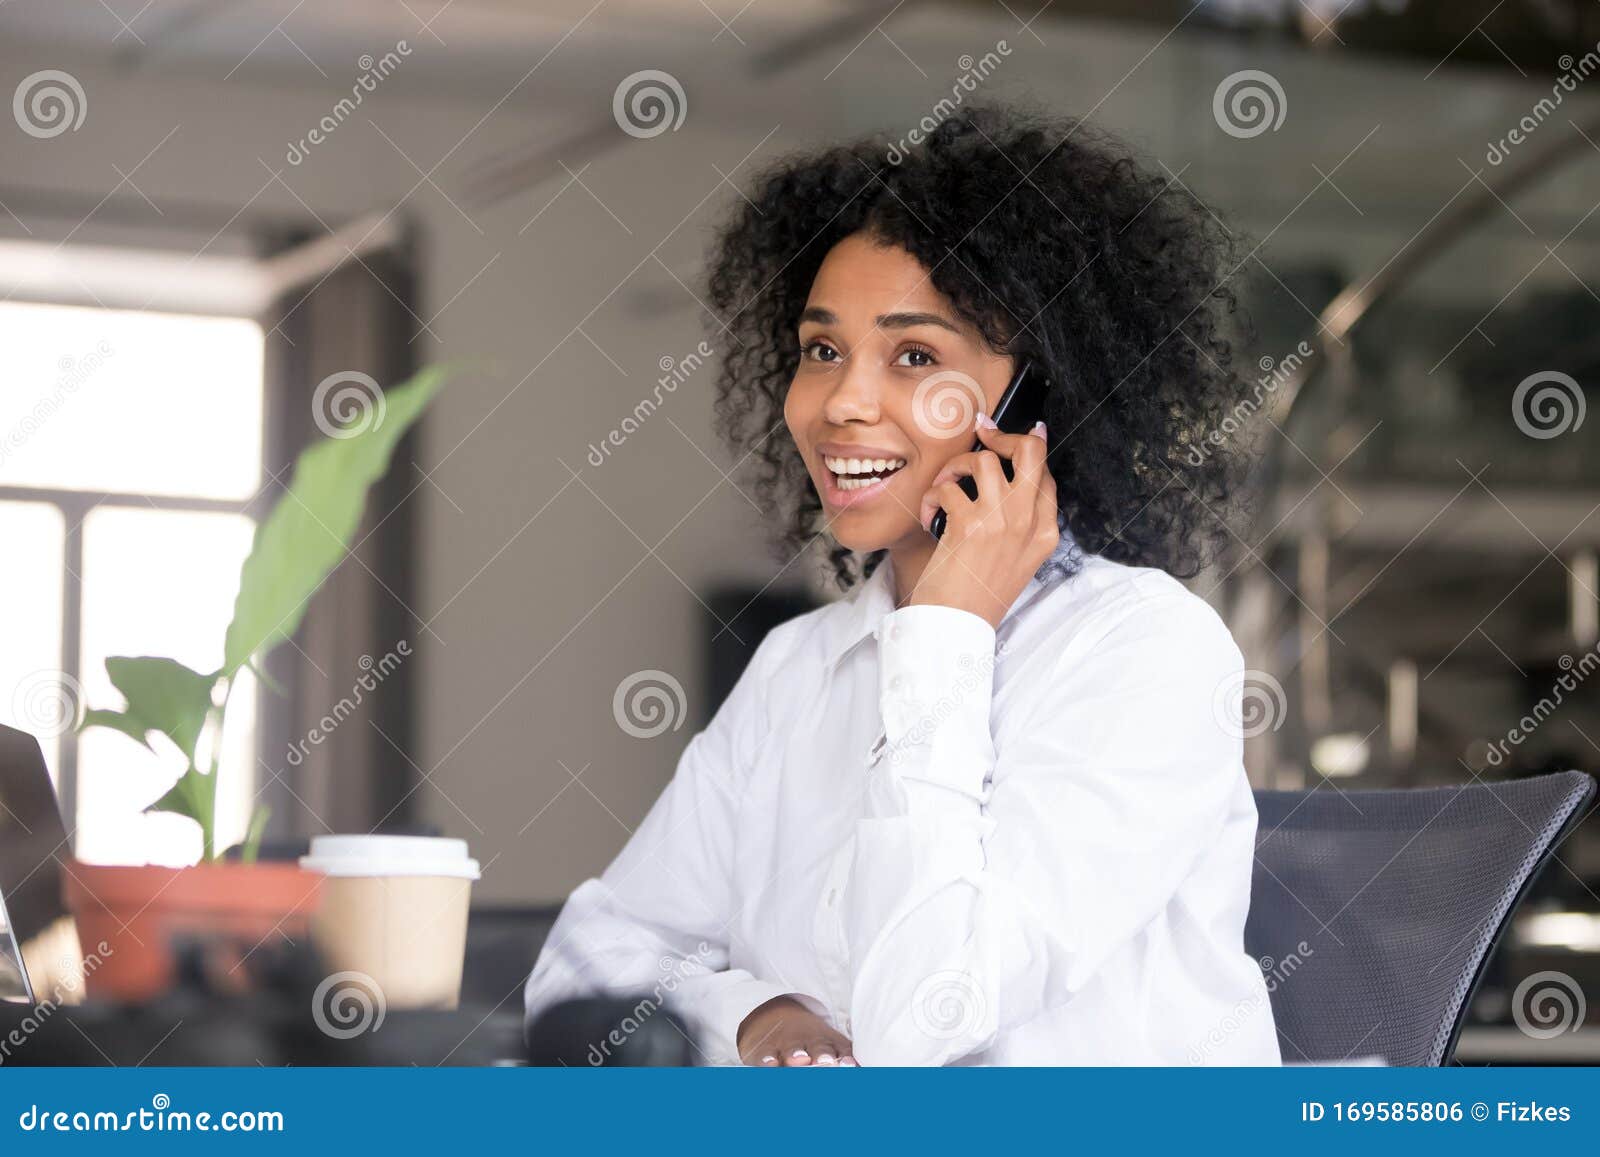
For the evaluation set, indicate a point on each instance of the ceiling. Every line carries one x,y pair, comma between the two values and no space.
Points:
491,40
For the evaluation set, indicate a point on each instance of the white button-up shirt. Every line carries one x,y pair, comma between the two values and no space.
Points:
958,845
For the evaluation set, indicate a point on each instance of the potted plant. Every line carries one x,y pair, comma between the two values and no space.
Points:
138,911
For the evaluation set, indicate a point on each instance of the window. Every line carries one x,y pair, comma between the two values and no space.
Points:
130,452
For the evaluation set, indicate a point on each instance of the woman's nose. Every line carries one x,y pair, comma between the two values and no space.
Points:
854,397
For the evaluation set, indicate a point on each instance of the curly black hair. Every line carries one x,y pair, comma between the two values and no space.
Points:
1054,242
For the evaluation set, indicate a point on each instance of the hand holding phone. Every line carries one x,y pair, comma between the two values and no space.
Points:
1001,528
1020,408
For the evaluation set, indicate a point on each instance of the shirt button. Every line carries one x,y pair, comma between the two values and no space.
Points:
898,684
833,896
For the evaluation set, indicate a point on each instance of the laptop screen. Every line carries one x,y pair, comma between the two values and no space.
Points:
33,844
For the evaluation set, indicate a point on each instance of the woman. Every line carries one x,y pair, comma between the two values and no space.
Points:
990,809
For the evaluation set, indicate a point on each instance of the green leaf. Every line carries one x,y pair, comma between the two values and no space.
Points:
116,721
194,796
310,528
189,796
163,695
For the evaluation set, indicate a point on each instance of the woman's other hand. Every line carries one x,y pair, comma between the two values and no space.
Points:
784,1033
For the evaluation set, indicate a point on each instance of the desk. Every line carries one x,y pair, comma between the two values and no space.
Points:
244,1033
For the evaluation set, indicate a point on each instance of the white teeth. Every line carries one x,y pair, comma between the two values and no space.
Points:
848,466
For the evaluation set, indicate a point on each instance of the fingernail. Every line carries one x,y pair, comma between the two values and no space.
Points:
1038,430
825,1059
769,1059
798,1053
985,422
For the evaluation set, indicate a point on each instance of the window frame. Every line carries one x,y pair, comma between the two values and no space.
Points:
75,506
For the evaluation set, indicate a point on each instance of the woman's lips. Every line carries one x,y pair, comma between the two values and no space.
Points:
853,475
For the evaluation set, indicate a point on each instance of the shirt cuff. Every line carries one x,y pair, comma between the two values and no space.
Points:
935,687
722,1011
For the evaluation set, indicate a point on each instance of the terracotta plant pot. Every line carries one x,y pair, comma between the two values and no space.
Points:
128,918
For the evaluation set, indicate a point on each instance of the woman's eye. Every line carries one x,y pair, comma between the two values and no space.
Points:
819,351
915,358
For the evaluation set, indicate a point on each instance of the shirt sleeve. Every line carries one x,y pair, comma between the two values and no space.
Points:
654,924
987,886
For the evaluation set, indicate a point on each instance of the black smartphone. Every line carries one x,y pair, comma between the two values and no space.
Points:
1020,408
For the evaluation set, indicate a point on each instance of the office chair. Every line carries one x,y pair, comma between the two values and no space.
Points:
1373,913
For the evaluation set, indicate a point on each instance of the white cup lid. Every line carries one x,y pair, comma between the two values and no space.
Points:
390,856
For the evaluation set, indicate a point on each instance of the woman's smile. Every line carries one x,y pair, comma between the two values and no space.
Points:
855,474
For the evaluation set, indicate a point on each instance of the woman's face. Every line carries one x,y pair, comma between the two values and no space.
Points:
888,390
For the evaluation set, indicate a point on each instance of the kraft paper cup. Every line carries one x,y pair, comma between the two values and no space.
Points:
394,910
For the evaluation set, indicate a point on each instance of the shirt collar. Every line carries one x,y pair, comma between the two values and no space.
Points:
859,615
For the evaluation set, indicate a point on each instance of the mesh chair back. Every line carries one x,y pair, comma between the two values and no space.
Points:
1373,912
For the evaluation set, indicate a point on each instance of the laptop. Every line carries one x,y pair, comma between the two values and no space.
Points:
33,842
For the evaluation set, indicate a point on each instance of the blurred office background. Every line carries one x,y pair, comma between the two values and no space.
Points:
216,215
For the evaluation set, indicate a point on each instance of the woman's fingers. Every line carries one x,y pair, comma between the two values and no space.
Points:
819,1052
1027,452
945,494
783,1034
1030,482
991,479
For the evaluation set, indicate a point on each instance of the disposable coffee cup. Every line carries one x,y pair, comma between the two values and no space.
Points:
394,910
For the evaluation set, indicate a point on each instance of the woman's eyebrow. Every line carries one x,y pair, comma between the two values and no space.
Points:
907,320
883,321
